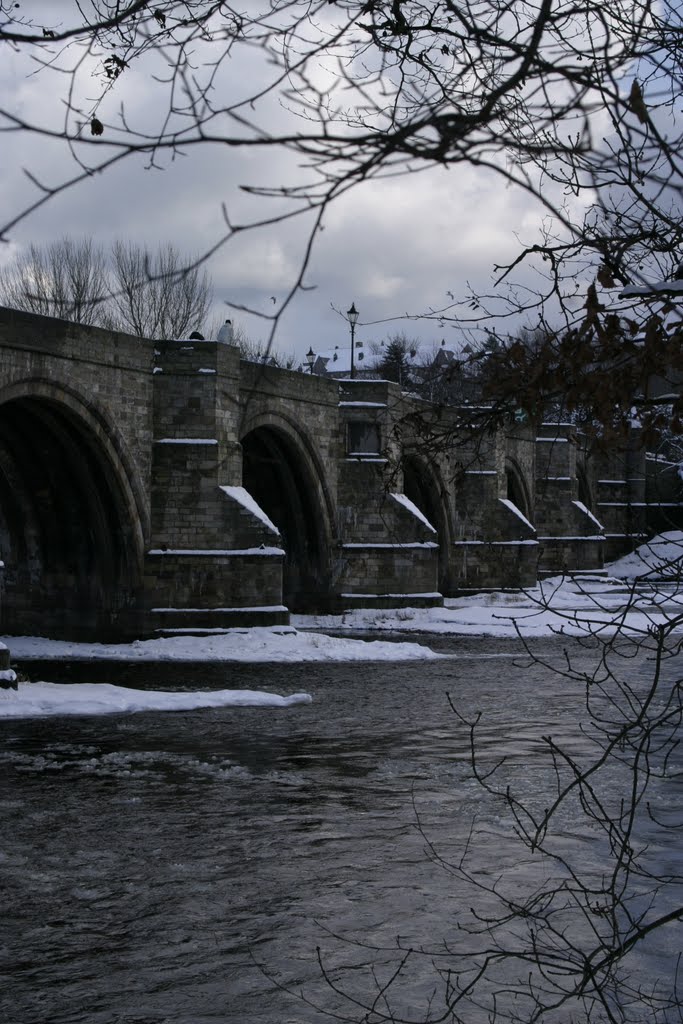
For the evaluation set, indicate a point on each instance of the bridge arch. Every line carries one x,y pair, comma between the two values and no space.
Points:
73,515
282,470
423,484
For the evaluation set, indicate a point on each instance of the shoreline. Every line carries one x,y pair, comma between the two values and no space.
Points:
213,673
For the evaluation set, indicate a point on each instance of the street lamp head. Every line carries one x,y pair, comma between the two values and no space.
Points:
352,316
310,356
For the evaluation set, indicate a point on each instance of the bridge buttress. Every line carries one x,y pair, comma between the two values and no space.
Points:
214,558
571,536
388,550
495,542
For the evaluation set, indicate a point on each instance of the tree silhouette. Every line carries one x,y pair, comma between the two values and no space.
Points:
66,279
153,296
396,360
147,293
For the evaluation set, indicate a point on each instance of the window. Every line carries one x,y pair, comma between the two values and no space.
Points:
363,438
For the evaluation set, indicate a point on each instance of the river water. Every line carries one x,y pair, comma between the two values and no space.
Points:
179,868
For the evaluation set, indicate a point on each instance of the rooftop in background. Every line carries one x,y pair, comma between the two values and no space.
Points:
336,361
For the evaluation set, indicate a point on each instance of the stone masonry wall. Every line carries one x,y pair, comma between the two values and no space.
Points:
213,556
571,535
621,496
107,372
388,550
495,545
89,393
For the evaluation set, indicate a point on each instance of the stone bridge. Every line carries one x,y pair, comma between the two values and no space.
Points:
157,486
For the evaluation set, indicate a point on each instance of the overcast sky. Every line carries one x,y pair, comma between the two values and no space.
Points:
392,247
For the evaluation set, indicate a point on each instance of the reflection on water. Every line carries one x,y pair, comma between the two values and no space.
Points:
168,868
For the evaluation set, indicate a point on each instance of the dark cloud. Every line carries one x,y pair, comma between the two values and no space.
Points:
396,246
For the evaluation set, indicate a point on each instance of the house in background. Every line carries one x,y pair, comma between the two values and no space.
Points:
336,361
422,369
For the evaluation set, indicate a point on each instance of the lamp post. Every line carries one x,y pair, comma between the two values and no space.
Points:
310,358
352,315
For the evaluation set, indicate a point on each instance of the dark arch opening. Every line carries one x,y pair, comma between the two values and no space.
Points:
275,474
585,496
68,543
516,491
422,486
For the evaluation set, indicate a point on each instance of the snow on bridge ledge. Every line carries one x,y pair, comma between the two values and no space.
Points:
421,596
587,512
213,609
214,552
516,511
186,440
493,543
404,500
242,495
362,405
370,546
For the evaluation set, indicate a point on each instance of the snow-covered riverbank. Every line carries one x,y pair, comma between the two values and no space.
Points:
633,594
